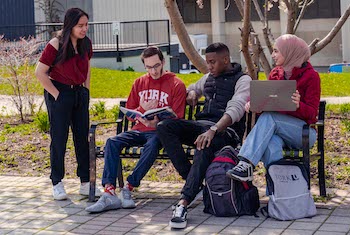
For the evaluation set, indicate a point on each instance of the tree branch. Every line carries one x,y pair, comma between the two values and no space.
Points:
263,60
316,46
301,14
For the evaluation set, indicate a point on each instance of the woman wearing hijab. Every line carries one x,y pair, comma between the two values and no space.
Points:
275,130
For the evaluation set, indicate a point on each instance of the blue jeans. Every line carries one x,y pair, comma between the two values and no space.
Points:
151,145
271,133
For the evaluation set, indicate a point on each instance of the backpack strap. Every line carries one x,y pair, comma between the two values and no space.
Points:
264,211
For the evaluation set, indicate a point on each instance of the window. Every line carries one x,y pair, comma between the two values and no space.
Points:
233,15
191,13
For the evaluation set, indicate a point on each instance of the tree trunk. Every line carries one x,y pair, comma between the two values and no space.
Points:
263,60
180,29
245,40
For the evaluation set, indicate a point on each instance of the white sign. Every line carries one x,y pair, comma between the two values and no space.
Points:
115,28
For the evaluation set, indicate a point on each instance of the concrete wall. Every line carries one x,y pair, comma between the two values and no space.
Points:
308,30
129,10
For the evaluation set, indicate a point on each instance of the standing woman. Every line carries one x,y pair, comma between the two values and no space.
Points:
64,72
274,130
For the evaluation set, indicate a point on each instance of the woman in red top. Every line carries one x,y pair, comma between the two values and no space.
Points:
274,130
64,72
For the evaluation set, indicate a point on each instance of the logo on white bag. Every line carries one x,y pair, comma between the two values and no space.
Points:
287,178
295,177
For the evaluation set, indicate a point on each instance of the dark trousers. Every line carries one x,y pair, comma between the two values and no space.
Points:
71,109
175,132
114,145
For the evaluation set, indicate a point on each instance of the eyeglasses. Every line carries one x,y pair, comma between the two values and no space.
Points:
156,66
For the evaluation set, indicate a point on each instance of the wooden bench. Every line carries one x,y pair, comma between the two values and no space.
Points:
123,124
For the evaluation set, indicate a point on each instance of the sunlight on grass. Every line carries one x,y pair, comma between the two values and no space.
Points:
107,83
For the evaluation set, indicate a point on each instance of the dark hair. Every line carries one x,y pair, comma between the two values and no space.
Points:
66,49
151,51
217,47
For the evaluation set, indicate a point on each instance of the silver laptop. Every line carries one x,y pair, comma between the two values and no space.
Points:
272,95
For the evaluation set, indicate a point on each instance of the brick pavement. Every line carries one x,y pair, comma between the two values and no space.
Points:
27,207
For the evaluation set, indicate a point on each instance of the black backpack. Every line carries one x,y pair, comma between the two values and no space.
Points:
223,196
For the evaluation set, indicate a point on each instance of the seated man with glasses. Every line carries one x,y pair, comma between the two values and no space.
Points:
158,88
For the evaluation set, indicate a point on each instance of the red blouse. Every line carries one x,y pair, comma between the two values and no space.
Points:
71,72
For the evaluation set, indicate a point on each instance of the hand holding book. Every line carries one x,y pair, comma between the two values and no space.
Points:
161,113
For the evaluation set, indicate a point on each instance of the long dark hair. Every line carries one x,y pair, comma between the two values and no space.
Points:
66,49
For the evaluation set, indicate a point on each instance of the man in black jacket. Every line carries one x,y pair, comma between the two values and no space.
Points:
221,123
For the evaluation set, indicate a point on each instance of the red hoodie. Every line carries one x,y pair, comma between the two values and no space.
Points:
169,90
308,85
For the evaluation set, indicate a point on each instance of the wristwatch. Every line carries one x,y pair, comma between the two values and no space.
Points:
214,128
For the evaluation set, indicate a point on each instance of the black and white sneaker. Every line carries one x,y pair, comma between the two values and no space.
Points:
179,219
243,171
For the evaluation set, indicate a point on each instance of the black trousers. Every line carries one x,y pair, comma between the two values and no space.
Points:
71,109
175,132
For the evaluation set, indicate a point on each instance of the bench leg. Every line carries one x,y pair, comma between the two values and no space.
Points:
321,176
92,162
120,174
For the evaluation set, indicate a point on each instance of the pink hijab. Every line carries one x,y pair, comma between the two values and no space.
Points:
294,50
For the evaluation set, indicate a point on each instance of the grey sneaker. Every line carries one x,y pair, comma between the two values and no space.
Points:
58,192
85,189
243,171
125,197
105,203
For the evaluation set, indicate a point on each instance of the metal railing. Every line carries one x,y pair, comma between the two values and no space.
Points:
132,35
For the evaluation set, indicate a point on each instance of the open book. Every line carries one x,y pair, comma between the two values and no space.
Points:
162,113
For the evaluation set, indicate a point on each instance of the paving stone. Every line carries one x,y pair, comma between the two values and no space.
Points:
220,220
237,230
317,218
206,228
108,232
38,224
272,223
147,228
338,220
84,231
297,232
77,219
327,233
61,226
246,222
341,212
264,231
13,224
304,225
335,227
23,232
50,233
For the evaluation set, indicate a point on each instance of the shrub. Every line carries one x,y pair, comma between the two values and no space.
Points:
99,109
129,68
345,108
42,122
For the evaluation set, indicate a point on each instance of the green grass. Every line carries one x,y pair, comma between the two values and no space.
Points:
106,83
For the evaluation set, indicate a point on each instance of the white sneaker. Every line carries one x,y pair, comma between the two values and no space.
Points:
106,202
125,197
85,189
58,192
